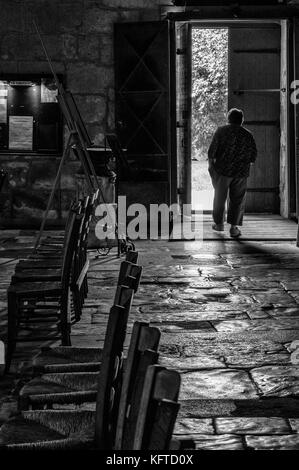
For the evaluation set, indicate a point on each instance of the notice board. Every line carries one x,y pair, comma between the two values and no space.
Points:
30,117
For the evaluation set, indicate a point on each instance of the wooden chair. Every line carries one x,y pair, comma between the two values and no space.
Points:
136,366
39,426
62,387
51,240
158,409
43,265
46,262
61,429
46,272
108,404
43,303
56,385
78,359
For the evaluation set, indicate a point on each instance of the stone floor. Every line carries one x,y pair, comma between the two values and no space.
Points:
228,312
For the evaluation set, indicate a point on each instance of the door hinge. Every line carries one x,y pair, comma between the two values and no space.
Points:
180,191
181,51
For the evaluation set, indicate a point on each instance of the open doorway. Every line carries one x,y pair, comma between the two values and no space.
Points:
209,105
241,65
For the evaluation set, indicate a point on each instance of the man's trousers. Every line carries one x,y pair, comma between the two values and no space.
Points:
233,189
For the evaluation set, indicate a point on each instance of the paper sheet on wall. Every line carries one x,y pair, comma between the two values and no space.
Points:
20,132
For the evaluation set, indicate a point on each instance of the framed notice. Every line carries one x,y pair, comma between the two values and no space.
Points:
30,116
20,132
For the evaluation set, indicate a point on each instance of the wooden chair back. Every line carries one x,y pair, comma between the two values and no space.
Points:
129,275
142,353
158,409
68,258
132,256
110,377
80,264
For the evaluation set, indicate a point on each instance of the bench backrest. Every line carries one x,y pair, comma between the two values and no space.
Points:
158,409
110,376
129,275
142,353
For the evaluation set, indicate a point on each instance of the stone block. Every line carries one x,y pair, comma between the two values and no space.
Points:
106,49
96,133
111,117
277,381
21,46
13,15
255,425
111,94
5,205
89,47
70,15
130,15
89,78
290,442
40,67
294,422
42,174
8,66
131,3
99,20
224,442
92,108
193,426
69,46
47,16
30,205
152,14
54,45
68,176
17,174
229,384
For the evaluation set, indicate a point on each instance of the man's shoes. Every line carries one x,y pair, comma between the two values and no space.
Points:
218,227
235,232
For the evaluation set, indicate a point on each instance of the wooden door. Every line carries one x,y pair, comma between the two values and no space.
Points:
143,124
183,113
254,86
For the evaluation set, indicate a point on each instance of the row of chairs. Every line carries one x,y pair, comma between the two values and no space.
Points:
136,400
47,290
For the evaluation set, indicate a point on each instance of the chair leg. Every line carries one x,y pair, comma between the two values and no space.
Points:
66,336
65,320
12,312
77,301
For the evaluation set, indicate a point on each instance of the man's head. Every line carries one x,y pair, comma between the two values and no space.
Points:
235,116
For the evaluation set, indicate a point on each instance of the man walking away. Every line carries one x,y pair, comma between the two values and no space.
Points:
231,153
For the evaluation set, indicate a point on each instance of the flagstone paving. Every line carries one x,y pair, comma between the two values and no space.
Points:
228,312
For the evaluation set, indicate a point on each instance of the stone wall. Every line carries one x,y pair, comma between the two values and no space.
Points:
79,37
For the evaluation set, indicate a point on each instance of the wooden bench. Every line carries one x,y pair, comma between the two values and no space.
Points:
64,384
53,429
78,359
34,305
158,409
